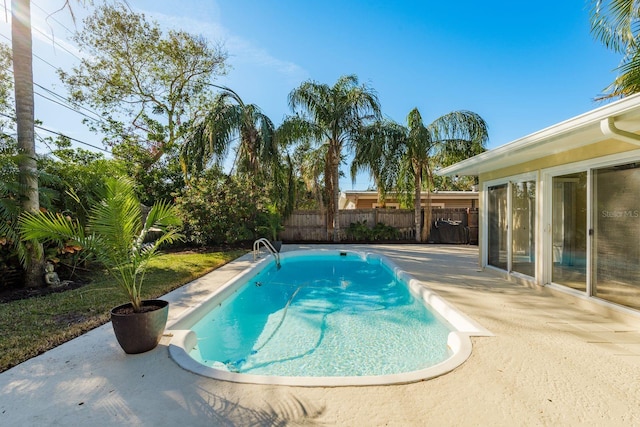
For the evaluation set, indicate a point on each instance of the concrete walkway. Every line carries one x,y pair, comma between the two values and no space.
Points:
551,362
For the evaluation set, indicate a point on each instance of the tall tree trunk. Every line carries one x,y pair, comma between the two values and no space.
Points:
332,190
328,188
23,83
336,200
382,202
426,230
416,202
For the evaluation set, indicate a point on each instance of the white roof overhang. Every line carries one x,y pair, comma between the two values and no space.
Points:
619,120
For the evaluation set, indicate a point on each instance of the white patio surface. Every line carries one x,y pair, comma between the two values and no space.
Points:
554,360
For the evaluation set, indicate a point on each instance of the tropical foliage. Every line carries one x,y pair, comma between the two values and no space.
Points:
332,118
228,119
147,84
405,158
115,234
179,138
259,155
361,232
6,84
14,251
378,150
22,56
451,136
615,24
219,209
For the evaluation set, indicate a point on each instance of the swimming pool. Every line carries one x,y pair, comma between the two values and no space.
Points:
324,318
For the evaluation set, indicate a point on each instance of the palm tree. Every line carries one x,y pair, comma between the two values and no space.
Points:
333,115
229,119
377,151
115,234
21,43
615,24
459,133
311,169
306,162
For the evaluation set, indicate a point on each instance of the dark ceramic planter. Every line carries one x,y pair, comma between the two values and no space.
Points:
139,332
277,245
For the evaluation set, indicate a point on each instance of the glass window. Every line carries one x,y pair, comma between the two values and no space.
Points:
616,254
523,217
497,226
569,230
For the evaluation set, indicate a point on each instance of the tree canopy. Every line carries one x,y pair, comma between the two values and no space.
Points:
333,116
148,84
616,23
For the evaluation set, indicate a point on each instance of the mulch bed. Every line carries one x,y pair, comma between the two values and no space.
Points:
11,290
9,294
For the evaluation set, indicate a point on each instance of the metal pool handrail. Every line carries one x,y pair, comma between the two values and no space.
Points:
267,244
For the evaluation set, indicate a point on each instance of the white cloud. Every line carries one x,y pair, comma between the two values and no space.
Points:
239,49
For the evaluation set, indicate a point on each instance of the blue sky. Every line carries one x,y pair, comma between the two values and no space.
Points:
522,66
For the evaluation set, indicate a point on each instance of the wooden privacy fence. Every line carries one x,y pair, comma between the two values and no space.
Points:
310,225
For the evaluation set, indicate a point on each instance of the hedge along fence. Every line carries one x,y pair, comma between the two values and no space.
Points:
310,225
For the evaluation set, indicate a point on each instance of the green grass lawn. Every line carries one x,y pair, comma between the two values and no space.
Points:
32,326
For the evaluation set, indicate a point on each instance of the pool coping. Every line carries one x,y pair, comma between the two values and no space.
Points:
183,339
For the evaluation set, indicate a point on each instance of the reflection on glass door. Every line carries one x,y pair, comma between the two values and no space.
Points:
523,247
616,254
497,230
569,230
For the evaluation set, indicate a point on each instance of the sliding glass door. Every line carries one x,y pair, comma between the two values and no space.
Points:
616,252
569,230
511,230
497,226
523,219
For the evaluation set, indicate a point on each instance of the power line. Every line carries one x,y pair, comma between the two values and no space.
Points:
72,139
50,15
64,102
34,55
50,38
65,106
73,106
60,134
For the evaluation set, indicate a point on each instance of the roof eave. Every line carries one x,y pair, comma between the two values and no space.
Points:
576,132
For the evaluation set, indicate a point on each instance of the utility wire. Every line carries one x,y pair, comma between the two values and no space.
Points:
65,106
60,134
70,105
34,55
64,102
50,16
50,38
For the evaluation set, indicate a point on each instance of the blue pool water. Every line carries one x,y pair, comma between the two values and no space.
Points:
322,315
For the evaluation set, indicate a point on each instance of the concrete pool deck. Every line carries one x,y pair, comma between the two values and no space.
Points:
553,361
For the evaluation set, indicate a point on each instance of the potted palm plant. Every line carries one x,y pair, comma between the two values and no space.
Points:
115,236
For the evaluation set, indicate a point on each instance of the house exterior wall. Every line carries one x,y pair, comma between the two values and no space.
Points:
560,207
591,152
600,219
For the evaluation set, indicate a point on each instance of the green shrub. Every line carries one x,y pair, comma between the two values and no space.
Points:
217,209
360,231
385,232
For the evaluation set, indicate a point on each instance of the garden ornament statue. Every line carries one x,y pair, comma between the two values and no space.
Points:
51,277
